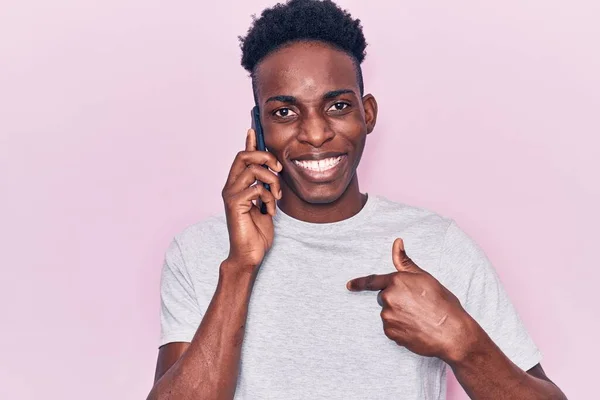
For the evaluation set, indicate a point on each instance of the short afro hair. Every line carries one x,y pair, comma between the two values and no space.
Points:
299,21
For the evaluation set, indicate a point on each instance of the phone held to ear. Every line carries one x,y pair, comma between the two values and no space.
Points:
260,146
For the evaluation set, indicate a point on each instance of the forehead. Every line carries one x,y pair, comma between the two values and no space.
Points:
305,69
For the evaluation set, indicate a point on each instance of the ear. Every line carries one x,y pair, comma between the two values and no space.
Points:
370,106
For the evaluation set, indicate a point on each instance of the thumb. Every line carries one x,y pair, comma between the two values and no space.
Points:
401,260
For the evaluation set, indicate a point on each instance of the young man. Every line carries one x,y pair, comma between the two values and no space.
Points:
318,299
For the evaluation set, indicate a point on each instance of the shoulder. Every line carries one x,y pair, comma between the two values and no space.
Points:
423,231
436,240
395,213
208,236
196,252
209,228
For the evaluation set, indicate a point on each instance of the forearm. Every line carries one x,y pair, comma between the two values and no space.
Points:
209,367
486,373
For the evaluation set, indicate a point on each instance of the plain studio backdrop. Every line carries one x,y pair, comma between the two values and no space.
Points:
120,119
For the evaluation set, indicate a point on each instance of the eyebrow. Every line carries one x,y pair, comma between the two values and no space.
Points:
282,99
327,96
335,93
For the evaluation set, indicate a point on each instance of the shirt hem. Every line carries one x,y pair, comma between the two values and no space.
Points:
176,337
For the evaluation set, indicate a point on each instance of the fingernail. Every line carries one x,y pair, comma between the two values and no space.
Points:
279,166
348,286
279,193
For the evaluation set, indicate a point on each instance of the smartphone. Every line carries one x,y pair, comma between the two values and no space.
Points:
260,145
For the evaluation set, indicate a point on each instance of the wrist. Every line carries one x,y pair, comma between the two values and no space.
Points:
232,271
469,344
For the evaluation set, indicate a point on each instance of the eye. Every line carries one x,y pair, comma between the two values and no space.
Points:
339,106
283,113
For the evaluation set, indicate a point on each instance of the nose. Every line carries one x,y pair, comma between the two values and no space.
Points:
315,130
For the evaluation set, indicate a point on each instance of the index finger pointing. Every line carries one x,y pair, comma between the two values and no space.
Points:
371,282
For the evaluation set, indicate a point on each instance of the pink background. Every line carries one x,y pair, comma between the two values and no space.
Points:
119,120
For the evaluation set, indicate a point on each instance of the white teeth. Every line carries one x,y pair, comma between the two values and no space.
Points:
320,165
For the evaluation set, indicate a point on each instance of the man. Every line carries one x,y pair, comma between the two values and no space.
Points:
291,304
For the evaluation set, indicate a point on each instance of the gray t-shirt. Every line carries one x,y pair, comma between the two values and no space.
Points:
307,336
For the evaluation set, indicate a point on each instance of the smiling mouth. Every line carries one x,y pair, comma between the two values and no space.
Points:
322,171
319,165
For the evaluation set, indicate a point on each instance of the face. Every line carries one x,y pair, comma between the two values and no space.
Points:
314,119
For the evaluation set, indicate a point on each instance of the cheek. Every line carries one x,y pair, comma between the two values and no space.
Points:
352,126
277,138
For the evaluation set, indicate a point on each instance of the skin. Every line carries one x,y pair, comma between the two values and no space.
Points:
310,103
306,122
419,313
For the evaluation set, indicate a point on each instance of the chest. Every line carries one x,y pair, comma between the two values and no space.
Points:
307,336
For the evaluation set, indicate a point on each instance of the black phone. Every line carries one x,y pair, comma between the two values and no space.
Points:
260,145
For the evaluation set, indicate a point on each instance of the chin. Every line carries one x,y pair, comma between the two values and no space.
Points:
326,199
326,194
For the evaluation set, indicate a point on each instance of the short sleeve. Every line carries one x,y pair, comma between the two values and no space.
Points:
484,298
180,315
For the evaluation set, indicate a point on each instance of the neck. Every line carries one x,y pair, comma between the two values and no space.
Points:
346,206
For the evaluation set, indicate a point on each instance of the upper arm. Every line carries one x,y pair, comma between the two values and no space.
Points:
168,356
180,313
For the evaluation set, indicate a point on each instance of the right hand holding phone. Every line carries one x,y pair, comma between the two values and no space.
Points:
250,232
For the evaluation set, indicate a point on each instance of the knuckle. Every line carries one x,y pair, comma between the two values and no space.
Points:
227,194
269,198
388,332
406,260
228,202
268,195
369,281
270,177
264,193
386,315
386,298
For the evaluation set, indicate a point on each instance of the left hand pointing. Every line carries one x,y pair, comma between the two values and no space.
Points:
418,312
